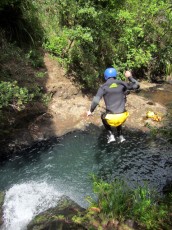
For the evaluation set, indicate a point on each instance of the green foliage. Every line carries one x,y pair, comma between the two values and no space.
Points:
34,58
57,45
165,131
168,69
18,19
7,2
46,98
113,198
117,202
13,95
8,51
87,36
18,85
40,74
153,129
146,210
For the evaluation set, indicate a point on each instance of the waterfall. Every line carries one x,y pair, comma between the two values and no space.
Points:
24,201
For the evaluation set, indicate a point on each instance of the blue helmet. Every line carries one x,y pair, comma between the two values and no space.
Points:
110,72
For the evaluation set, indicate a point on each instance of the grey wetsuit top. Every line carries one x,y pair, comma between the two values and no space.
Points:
114,93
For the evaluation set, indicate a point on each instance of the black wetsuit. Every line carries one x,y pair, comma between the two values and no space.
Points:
114,93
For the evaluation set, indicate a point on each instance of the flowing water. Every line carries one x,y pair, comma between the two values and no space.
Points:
35,178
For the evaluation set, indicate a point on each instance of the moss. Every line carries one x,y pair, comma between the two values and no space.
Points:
60,217
2,196
39,219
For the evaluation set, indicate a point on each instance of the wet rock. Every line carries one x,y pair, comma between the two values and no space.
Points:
41,128
58,218
169,79
65,91
167,189
138,107
2,195
131,224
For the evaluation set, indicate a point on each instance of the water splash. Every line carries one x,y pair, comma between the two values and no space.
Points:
25,201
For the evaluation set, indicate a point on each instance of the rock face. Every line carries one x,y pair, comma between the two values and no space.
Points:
58,218
138,107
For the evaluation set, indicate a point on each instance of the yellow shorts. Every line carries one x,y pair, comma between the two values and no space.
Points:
116,119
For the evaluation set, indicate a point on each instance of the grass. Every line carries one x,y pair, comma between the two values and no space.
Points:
116,203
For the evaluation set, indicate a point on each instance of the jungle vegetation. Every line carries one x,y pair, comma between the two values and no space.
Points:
85,37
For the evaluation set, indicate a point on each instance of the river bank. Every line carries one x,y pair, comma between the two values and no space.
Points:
67,111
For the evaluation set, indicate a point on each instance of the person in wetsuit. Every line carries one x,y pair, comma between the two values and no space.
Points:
114,93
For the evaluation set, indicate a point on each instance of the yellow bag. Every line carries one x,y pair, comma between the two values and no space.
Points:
116,119
154,116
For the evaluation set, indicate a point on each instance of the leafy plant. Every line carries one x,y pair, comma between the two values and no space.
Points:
113,198
46,98
87,36
40,74
13,95
146,210
35,58
19,20
168,69
117,202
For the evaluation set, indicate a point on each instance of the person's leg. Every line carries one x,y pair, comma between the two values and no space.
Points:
119,130
106,125
108,128
119,133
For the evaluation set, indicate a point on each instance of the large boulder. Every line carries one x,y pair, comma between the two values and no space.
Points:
59,217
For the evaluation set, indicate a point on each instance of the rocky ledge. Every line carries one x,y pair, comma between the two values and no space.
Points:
60,217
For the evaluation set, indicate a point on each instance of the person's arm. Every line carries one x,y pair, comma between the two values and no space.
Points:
133,84
95,101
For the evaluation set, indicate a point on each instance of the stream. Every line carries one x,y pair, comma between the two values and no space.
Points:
35,178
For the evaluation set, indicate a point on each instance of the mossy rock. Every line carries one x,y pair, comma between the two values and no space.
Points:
58,218
2,196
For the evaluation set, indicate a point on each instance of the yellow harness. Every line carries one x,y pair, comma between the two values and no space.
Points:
116,119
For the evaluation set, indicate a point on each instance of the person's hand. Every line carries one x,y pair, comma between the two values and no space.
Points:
128,74
89,113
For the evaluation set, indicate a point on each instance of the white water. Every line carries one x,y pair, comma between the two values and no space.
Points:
25,201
